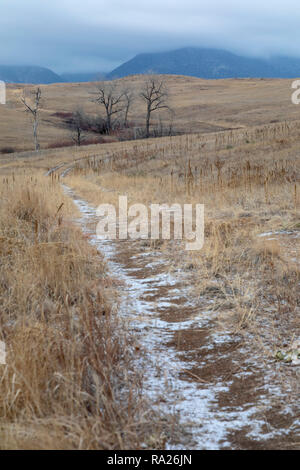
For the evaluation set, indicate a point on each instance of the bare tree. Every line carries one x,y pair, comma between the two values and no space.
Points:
77,126
112,99
129,97
155,94
33,109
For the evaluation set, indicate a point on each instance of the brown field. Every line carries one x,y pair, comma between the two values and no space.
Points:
239,294
199,105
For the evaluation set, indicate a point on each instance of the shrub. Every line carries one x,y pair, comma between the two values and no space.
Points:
7,150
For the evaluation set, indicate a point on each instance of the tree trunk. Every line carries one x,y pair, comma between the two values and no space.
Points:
126,116
108,122
148,123
35,135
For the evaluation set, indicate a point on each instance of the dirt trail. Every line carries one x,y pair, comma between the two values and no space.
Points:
225,398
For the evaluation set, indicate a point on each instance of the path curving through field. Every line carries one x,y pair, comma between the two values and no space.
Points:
223,396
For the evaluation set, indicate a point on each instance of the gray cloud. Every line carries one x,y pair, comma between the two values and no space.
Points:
77,35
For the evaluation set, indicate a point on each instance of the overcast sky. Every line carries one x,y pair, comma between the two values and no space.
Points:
97,35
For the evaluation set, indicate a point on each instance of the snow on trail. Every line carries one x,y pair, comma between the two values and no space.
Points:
158,306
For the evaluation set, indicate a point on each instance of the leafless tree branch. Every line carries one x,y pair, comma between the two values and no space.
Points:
155,94
112,99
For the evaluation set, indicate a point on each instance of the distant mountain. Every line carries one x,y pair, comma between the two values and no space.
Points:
28,74
82,77
208,63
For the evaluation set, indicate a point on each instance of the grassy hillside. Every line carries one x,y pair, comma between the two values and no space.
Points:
199,106
241,290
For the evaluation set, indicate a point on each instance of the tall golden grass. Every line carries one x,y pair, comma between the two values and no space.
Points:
249,182
69,380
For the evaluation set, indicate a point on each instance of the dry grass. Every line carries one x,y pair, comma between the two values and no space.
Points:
249,183
69,381
200,106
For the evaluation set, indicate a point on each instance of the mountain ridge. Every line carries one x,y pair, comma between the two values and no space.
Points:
208,64
189,61
28,74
